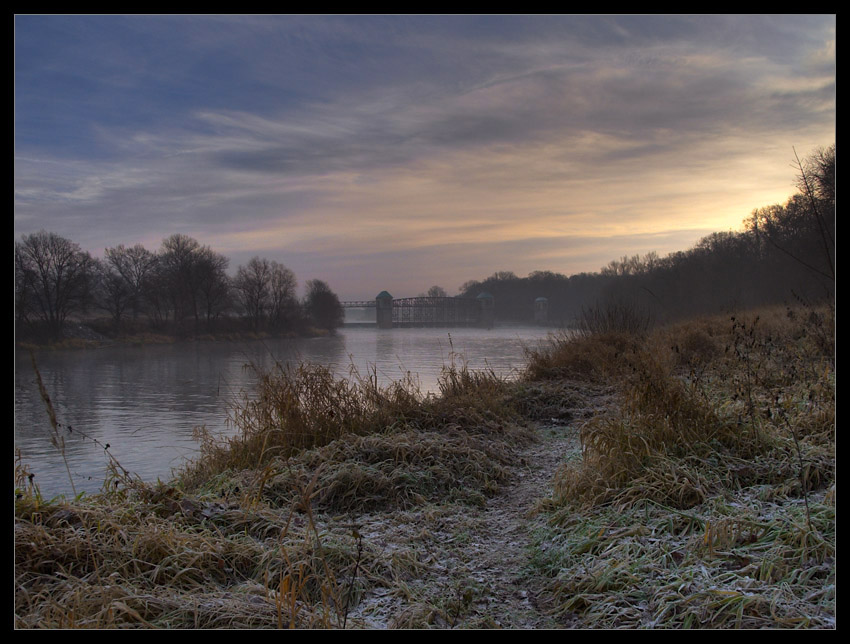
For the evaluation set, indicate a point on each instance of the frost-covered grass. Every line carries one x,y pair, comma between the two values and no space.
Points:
253,533
706,496
703,496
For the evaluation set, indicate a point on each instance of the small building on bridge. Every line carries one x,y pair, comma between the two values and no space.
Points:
541,311
384,310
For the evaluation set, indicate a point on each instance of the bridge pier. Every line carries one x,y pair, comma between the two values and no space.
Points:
486,310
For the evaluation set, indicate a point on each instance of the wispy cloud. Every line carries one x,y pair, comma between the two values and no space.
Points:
522,143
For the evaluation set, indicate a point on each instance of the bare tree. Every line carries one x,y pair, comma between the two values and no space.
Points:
213,284
252,287
469,288
135,265
193,276
177,259
817,181
798,233
54,274
24,288
112,293
817,173
156,295
283,301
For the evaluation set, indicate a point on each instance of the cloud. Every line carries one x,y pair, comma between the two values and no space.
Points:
477,140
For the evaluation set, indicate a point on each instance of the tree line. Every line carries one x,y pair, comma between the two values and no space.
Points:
784,252
182,288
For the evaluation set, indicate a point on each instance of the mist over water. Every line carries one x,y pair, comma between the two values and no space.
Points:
145,401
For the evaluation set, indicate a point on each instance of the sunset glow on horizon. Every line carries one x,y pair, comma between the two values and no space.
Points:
399,152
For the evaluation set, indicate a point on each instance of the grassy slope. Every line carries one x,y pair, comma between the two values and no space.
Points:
707,496
703,498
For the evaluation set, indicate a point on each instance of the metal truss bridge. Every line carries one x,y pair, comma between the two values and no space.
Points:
428,311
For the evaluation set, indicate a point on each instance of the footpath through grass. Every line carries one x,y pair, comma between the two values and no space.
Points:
704,496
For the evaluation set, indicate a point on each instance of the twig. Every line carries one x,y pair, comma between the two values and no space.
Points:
57,439
356,533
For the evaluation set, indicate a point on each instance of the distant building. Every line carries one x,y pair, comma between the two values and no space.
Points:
384,310
541,311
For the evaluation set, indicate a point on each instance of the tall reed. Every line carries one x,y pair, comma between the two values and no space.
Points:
56,438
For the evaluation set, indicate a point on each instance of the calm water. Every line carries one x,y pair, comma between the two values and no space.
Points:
145,401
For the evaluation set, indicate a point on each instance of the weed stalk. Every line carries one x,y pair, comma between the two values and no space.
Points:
56,439
356,534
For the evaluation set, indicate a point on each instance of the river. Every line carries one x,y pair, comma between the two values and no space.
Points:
145,401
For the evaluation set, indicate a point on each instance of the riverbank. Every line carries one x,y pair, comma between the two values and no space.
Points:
81,336
683,478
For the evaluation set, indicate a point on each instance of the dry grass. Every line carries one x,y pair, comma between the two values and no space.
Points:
702,406
234,541
704,497
154,557
593,358
713,477
613,317
294,410
743,563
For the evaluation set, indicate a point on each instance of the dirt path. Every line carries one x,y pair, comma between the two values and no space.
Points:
467,564
505,535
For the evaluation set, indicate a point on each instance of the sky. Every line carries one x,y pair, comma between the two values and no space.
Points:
397,152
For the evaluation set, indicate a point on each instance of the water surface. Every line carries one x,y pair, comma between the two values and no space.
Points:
145,401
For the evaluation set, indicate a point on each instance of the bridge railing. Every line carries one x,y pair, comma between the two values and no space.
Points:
358,304
423,311
435,311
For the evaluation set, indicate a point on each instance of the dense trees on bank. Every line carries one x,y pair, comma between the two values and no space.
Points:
183,289
783,253
322,305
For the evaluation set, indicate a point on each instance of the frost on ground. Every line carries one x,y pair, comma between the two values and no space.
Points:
471,560
703,499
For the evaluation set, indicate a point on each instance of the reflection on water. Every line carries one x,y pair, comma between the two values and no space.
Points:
145,401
